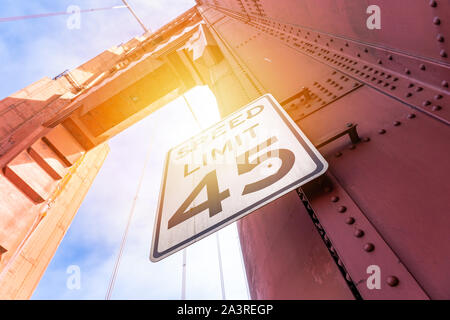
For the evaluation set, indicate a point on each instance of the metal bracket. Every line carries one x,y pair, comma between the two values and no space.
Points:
350,130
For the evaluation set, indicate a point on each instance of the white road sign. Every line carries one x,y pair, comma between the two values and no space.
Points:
250,158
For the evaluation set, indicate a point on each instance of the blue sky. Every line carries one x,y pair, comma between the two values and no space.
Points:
32,49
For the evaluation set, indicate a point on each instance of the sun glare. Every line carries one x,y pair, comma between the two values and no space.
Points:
204,105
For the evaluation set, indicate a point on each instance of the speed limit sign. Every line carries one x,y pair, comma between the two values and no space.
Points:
248,159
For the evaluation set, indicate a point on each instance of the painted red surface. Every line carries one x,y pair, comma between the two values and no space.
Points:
396,180
384,200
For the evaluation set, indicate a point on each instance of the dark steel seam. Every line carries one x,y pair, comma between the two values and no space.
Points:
376,236
376,230
334,255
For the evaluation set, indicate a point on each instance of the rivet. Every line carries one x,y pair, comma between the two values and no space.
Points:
437,108
392,281
393,87
352,147
407,71
338,154
397,123
443,53
349,125
350,220
379,61
369,247
411,85
437,21
366,139
339,262
444,84
426,103
422,66
418,89
433,3
382,131
390,57
440,38
327,189
409,94
334,199
342,209
358,233
438,97
411,116
348,278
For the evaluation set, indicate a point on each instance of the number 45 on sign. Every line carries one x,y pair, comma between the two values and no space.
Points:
250,158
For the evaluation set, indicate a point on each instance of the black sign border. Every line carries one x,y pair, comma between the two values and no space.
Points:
247,210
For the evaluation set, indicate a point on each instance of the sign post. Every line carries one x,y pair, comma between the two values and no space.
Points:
248,159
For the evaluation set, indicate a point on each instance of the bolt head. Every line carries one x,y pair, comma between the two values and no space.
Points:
382,131
422,66
397,123
440,38
335,199
437,108
392,281
443,54
426,103
342,209
369,247
350,220
433,3
409,94
359,233
438,97
444,84
419,89
411,116
436,21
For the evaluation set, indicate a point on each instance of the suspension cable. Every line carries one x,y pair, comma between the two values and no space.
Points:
222,285
136,16
51,14
125,233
